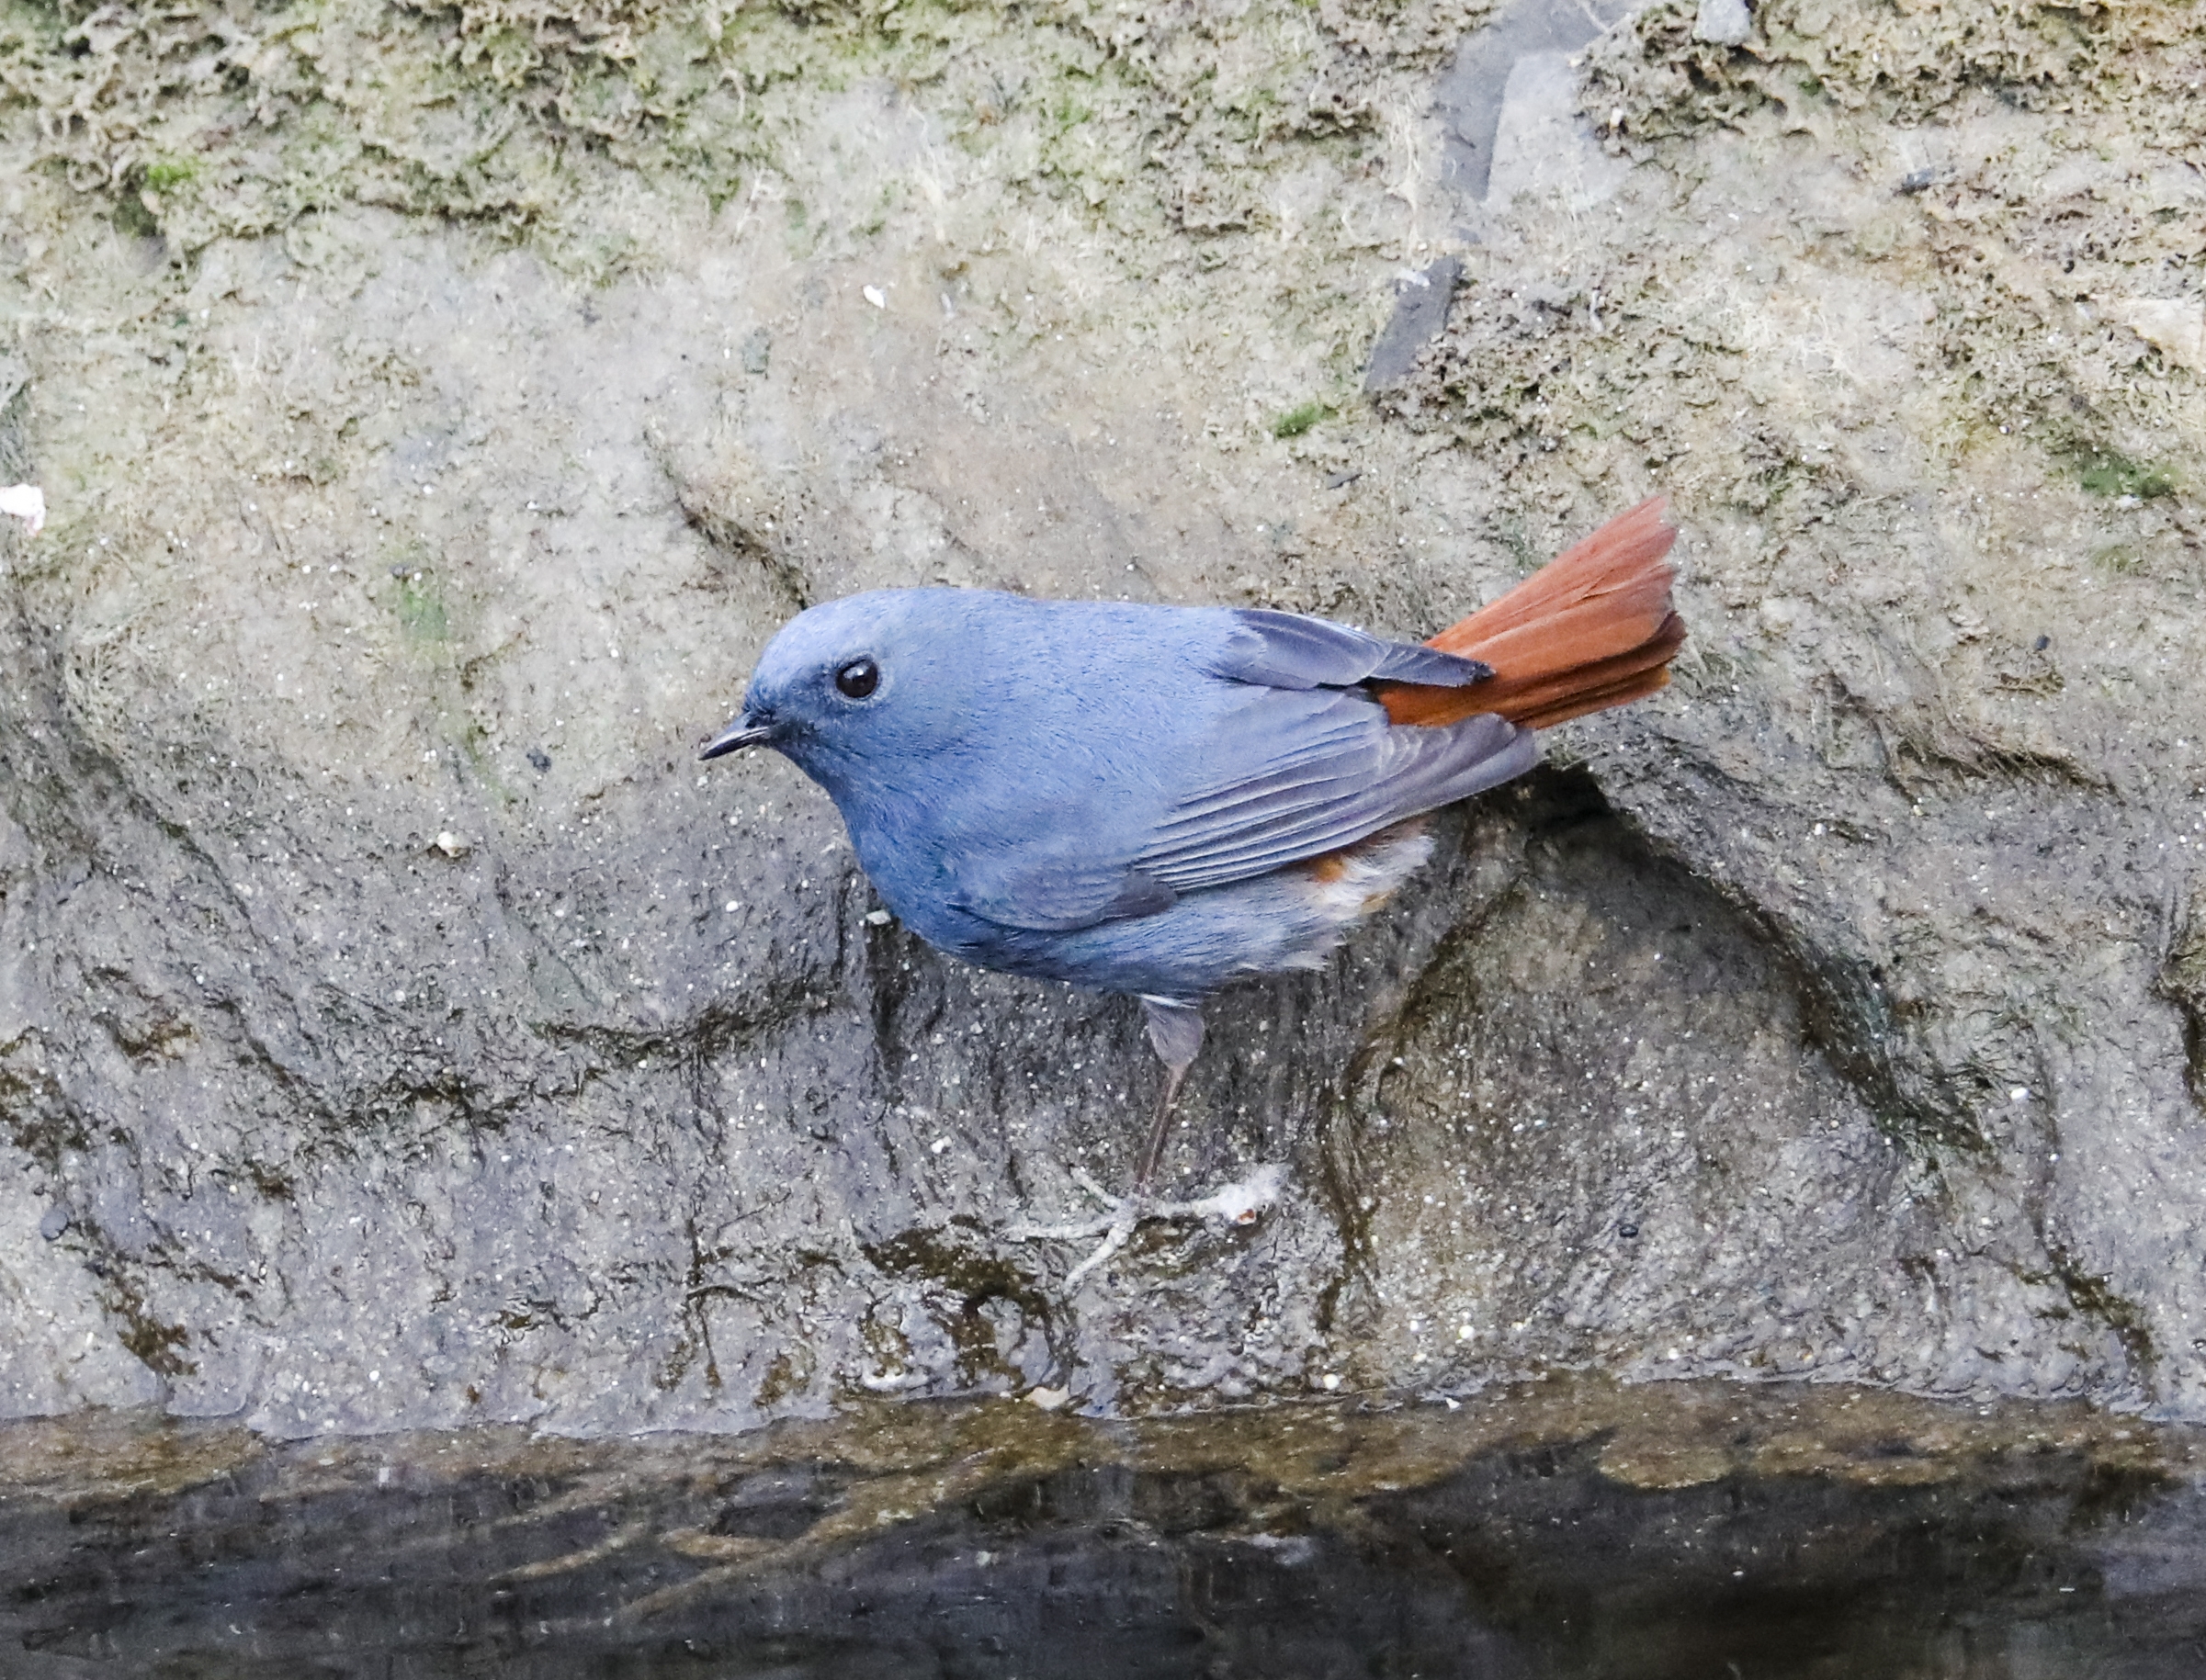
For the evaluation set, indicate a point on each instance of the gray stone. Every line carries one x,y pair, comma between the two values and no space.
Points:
1470,94
1727,23
1543,149
1421,315
429,488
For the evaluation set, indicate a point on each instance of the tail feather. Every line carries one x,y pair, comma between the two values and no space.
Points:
1600,683
1591,629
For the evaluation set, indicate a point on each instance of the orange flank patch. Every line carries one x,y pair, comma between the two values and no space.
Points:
1360,877
1592,628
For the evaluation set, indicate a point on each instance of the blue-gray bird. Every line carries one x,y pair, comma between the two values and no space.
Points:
1157,800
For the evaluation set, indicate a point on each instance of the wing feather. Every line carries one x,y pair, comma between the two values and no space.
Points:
1302,786
1287,757
1287,651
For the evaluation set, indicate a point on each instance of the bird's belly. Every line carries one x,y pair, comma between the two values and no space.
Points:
1290,919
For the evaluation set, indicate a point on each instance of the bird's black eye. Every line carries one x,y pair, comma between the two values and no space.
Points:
858,679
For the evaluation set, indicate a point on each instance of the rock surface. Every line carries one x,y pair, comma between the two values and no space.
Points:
438,407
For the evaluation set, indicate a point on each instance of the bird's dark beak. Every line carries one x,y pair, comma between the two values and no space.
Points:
745,731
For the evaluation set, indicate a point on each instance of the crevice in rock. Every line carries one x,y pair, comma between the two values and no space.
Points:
960,1260
2181,983
733,539
2094,1296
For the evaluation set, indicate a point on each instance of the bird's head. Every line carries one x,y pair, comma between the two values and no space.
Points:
864,684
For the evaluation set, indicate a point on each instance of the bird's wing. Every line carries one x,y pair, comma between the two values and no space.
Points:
1285,781
1287,651
1299,761
1307,762
1048,890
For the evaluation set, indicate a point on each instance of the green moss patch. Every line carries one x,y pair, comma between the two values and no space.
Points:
1296,421
2108,472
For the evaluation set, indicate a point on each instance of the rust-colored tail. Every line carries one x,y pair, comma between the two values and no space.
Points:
1590,629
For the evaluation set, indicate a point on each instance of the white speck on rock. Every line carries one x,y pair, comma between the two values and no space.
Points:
27,503
1244,1202
890,1382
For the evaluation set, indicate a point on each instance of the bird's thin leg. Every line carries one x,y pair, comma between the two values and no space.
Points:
1159,1128
1175,1032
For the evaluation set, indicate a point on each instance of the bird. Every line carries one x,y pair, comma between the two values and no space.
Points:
1158,800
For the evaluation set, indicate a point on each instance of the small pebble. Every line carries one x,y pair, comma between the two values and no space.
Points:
1724,22
54,1223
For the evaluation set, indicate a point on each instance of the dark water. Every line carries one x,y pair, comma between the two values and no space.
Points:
1555,1530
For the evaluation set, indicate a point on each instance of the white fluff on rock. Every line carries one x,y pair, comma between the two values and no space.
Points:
27,503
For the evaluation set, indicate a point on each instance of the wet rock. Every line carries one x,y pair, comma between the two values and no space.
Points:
1858,978
1554,1527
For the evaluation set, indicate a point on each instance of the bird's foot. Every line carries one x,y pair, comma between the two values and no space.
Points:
1242,1202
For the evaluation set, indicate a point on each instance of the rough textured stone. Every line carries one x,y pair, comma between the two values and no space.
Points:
438,409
